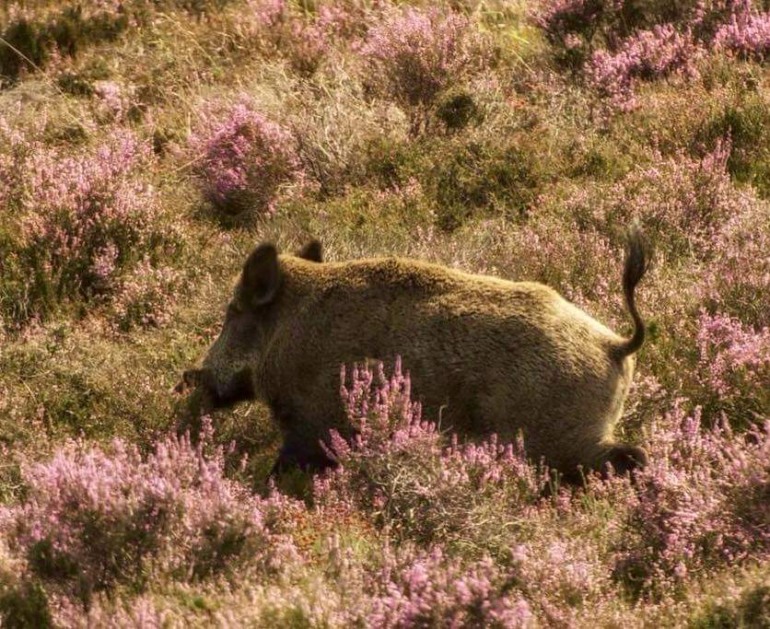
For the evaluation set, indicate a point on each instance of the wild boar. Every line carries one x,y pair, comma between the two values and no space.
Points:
493,356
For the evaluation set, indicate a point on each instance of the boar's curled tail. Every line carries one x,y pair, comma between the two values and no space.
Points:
637,261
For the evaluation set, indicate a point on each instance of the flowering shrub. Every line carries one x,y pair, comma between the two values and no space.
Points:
683,201
81,221
146,297
734,359
242,160
645,41
397,470
113,101
414,54
571,25
737,279
699,500
646,55
94,517
491,550
747,34
280,30
433,590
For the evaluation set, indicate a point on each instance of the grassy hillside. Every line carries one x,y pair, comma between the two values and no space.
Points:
147,146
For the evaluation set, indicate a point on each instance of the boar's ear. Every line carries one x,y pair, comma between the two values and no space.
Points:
311,251
261,276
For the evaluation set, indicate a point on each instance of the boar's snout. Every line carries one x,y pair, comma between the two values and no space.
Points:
217,394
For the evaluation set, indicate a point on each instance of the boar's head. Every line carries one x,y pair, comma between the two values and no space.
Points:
229,373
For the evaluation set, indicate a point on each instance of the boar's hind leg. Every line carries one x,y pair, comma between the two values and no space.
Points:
623,458
297,456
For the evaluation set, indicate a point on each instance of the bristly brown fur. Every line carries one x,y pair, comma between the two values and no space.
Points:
485,355
637,263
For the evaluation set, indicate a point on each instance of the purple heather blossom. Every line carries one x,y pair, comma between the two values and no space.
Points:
242,158
108,512
414,54
747,34
648,54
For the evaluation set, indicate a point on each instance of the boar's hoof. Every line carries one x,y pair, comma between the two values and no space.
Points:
291,457
624,460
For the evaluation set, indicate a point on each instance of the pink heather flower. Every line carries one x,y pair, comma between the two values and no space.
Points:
699,499
108,515
281,30
737,278
269,13
562,20
432,589
733,358
747,34
414,54
112,100
621,55
146,297
646,55
397,469
82,218
243,158
105,262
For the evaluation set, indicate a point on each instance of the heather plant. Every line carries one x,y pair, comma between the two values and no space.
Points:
280,30
561,579
413,55
146,297
699,501
581,263
747,34
577,28
744,118
95,517
434,590
600,22
399,472
682,200
655,53
618,44
242,160
737,278
304,34
113,103
734,362
572,25
79,222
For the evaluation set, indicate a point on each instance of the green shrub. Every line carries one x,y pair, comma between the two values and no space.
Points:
476,178
32,42
24,606
456,110
746,121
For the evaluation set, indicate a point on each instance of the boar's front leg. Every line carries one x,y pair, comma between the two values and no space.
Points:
301,444
297,455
